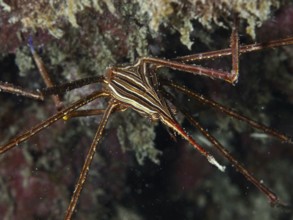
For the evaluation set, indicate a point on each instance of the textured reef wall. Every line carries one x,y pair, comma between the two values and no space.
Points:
139,172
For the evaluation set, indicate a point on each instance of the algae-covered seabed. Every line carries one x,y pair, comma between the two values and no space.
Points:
139,172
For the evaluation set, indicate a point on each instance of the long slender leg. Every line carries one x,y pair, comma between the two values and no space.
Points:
90,112
194,69
17,90
235,52
83,175
228,51
198,70
26,135
269,193
83,113
65,87
173,124
227,111
181,63
57,89
45,75
274,200
230,77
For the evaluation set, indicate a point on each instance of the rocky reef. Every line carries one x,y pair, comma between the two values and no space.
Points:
153,177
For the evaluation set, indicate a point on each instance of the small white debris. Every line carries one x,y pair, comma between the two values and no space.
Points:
213,161
257,135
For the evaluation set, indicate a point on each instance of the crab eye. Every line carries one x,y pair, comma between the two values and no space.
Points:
155,116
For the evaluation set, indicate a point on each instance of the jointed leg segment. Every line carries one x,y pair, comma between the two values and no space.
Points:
227,111
231,77
228,51
269,193
26,135
83,175
17,90
45,75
